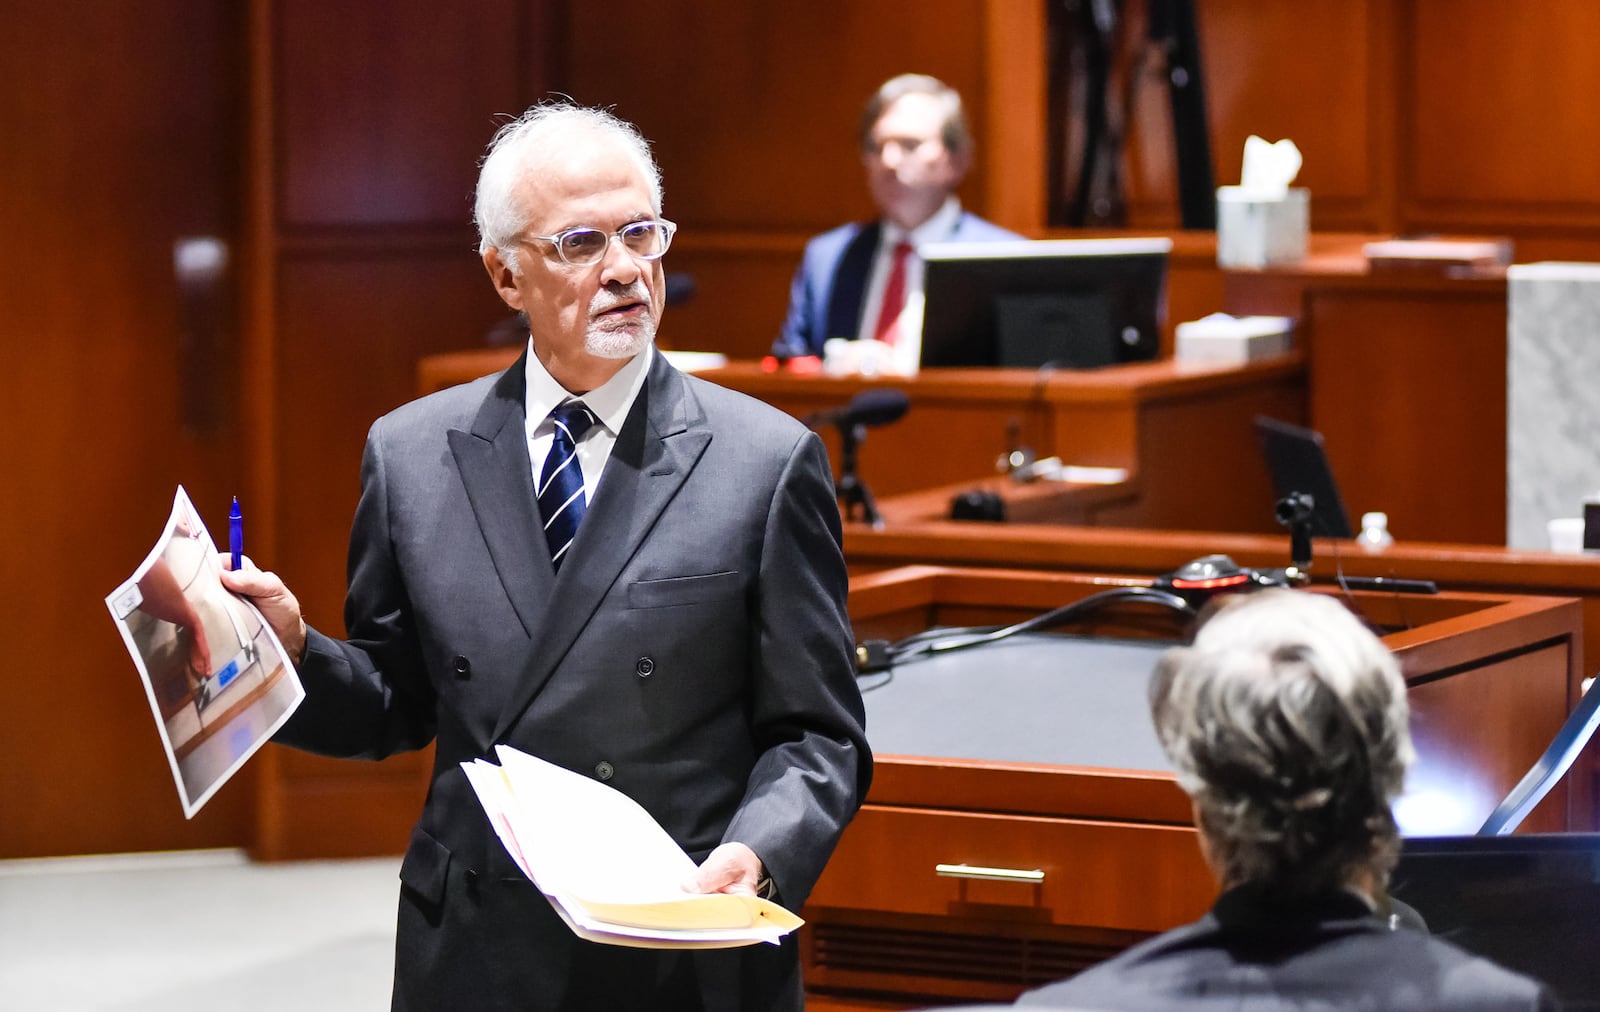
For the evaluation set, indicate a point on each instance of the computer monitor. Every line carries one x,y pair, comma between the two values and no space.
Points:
1530,902
1072,303
1298,463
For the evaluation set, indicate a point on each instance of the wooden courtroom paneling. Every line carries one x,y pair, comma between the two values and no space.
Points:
754,110
119,131
350,326
1407,386
741,286
366,123
754,107
370,121
1318,74
756,135
1411,396
384,109
1496,134
1371,92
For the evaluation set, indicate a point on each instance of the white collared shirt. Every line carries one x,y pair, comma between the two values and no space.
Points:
610,402
908,340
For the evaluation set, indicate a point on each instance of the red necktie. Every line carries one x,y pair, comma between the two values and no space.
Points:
894,297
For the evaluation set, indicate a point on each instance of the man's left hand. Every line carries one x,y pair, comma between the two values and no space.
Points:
731,868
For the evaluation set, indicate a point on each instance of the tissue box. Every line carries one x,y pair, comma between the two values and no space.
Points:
1253,231
1220,339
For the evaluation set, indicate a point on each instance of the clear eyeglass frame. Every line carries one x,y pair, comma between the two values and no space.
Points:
584,246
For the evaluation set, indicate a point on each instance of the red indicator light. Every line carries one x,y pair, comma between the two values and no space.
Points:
1213,583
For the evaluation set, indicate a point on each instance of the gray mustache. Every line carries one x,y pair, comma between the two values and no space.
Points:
607,300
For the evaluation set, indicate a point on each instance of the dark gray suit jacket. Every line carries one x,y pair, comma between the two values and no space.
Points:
1326,953
694,652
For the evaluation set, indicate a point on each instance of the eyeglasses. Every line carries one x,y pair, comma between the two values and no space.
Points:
583,247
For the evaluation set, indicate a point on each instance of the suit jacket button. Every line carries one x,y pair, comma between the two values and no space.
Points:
461,666
643,667
604,771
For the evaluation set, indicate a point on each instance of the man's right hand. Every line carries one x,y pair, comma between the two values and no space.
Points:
269,594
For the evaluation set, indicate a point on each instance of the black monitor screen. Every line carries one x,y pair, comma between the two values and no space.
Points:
1072,303
1298,463
1529,902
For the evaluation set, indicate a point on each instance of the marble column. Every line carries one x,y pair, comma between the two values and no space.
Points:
1552,396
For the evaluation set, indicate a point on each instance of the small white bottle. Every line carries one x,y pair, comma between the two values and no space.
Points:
1375,536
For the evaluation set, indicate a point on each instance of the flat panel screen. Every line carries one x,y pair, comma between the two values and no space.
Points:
1068,303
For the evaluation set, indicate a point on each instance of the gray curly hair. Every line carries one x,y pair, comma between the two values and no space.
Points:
1287,723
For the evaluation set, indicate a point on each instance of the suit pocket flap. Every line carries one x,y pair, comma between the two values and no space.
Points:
423,868
683,590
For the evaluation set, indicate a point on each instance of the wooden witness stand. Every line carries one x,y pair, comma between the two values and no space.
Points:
1115,847
1044,533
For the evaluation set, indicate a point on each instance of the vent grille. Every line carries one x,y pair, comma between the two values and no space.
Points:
990,959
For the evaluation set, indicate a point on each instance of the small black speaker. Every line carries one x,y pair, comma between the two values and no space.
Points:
978,504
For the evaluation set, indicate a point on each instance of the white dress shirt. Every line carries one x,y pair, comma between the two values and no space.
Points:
908,339
610,402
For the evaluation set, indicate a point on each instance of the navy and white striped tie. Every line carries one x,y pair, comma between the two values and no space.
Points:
561,501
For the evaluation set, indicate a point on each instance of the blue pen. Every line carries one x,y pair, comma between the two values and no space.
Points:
236,533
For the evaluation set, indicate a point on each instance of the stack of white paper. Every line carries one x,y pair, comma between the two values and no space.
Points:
608,868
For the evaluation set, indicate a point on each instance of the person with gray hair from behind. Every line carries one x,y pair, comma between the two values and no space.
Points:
1286,722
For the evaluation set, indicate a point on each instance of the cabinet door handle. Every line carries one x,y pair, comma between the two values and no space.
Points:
1032,877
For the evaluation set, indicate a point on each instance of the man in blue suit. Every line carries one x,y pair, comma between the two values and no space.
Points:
916,148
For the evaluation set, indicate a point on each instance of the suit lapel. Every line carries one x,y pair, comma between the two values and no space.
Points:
658,446
850,283
493,462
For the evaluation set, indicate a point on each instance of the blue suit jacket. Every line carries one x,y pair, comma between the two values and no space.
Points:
825,298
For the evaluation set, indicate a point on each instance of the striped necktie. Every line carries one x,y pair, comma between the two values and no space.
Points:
561,502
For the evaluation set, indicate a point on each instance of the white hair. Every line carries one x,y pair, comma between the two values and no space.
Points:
496,211
1287,723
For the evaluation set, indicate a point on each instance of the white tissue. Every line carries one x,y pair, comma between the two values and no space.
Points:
1269,168
1220,339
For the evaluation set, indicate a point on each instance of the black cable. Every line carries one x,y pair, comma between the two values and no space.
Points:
938,641
885,676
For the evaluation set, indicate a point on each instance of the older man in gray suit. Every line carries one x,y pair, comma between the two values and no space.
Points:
601,561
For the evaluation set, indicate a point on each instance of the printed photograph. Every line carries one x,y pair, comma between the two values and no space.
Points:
218,680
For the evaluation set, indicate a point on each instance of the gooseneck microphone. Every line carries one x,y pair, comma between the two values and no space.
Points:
867,409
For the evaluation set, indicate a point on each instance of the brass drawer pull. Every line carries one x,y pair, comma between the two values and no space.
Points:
1034,877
